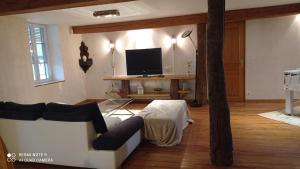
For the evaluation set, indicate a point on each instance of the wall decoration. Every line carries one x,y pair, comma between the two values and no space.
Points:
84,62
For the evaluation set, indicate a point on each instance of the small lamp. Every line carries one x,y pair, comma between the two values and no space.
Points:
188,34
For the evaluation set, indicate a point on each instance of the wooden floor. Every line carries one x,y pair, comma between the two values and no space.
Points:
259,143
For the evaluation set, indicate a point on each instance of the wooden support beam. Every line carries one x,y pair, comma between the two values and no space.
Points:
230,16
262,12
125,88
201,78
141,24
174,88
221,145
10,7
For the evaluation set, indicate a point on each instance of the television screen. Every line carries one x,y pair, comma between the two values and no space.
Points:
144,61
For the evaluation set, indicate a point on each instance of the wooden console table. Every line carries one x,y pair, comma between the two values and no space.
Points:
174,93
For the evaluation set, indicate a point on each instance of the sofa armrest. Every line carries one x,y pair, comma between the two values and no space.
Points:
118,135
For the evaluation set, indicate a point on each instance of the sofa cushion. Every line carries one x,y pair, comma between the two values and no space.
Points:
23,111
2,105
76,113
117,136
6,114
38,108
111,121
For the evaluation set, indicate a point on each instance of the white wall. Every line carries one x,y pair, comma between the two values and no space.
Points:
272,46
16,77
54,48
137,39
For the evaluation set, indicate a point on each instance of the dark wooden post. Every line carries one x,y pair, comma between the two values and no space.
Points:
220,131
125,88
174,87
201,78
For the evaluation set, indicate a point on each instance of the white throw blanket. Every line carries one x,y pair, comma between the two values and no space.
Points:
164,121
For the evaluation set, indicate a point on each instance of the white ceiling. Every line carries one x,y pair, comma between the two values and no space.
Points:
141,9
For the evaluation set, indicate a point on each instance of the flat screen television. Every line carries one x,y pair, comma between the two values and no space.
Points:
144,61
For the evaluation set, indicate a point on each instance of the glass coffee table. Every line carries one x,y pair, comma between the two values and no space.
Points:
111,106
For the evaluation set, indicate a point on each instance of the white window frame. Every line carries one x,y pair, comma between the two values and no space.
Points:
34,57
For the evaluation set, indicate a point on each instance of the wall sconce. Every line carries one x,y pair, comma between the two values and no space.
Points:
173,42
112,50
112,47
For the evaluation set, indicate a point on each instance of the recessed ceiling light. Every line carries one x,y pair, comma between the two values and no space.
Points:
106,13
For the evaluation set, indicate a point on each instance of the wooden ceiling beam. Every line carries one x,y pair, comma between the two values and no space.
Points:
262,12
230,16
141,24
10,7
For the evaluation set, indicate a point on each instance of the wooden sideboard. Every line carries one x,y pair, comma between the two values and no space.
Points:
174,93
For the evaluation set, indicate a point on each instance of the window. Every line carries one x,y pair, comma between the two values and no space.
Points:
39,55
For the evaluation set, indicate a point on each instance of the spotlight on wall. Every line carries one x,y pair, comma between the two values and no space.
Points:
106,13
173,41
112,50
112,47
297,17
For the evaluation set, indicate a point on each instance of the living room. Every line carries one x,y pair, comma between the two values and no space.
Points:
265,45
